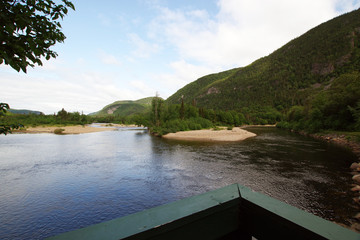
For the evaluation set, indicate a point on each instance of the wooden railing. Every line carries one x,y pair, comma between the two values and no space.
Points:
232,212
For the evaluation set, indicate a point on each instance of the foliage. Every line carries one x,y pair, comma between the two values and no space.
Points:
337,108
355,111
189,92
59,130
289,77
216,128
176,125
61,118
6,128
29,28
166,118
3,108
24,111
126,108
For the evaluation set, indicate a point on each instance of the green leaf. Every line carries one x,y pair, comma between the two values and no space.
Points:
15,66
23,68
31,31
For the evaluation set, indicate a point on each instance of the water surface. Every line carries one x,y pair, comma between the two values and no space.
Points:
56,183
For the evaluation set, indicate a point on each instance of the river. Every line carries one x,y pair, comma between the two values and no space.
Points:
51,184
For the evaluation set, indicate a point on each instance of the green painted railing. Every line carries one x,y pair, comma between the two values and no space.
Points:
232,212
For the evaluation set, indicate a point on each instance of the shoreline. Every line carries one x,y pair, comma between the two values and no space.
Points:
354,168
75,129
341,141
209,135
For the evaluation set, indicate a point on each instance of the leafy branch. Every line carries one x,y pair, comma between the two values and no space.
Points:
29,28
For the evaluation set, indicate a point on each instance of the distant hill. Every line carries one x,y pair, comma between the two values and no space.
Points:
289,76
25,111
126,107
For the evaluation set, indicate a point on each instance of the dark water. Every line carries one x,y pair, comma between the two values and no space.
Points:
51,184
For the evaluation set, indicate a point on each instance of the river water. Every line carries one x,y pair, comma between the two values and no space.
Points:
51,184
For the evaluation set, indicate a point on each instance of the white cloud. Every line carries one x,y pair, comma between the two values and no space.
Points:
143,49
108,59
143,88
243,30
192,41
182,74
74,90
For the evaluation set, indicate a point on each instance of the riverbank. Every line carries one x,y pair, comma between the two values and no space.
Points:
119,125
340,139
210,135
78,129
344,140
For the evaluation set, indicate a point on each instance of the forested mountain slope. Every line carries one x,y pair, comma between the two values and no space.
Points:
126,108
289,76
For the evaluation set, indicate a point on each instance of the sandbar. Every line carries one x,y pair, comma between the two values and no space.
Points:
67,129
209,135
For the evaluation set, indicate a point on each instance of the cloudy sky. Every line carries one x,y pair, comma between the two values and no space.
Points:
131,49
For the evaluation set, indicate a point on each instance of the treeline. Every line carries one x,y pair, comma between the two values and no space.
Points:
161,119
61,118
64,118
139,119
337,108
165,118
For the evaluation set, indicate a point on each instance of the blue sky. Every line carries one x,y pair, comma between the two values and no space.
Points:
131,49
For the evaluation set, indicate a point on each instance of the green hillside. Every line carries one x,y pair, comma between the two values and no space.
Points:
25,111
289,76
126,108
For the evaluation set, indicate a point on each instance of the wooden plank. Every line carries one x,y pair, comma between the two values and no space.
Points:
272,219
206,216
232,212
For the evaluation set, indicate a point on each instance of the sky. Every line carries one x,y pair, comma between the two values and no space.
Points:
132,49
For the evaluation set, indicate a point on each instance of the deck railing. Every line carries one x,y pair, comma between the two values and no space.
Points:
232,212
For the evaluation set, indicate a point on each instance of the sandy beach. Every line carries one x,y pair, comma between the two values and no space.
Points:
208,135
67,129
118,125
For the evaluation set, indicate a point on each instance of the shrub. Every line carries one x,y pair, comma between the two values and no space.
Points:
59,131
216,128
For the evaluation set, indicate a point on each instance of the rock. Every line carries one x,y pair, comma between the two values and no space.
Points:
356,188
357,216
356,199
355,227
355,165
356,178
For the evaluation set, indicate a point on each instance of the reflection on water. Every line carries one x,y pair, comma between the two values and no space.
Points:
56,183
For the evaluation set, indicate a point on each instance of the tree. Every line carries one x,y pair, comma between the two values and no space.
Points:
182,108
28,29
63,115
3,108
156,109
356,114
5,129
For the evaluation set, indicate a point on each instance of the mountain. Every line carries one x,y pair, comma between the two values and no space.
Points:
126,107
25,111
289,76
